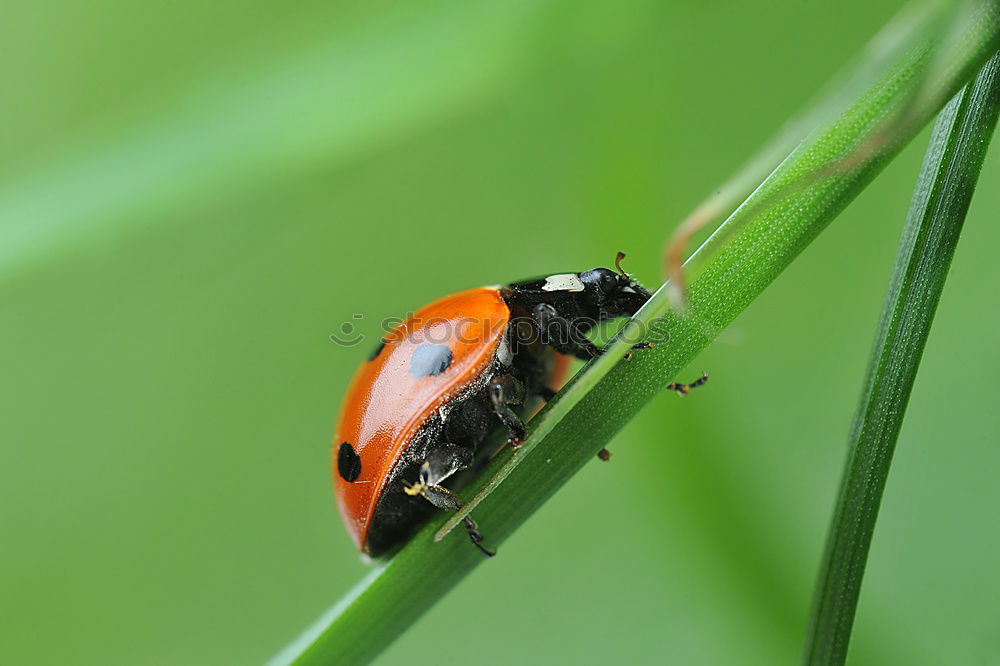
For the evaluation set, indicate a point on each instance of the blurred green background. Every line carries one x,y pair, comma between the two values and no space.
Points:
193,196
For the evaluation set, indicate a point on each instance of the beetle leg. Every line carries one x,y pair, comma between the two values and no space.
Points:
684,389
505,391
476,537
560,334
639,345
440,464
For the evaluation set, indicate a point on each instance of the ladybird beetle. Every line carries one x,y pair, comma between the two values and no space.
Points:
421,410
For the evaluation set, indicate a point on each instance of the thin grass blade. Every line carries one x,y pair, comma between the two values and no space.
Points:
943,192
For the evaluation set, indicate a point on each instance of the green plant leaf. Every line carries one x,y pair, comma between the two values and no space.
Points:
607,393
941,199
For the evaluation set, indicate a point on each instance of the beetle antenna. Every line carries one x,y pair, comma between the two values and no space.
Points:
618,265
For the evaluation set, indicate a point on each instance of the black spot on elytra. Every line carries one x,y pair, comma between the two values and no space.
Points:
377,350
348,463
430,359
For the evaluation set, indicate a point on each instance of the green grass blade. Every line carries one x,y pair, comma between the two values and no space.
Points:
608,393
943,192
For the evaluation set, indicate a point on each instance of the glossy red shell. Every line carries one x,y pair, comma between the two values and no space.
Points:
386,404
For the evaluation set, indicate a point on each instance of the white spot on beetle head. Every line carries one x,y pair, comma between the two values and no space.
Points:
563,282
